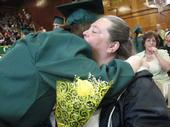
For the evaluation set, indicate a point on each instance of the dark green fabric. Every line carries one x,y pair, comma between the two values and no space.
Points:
1,50
120,74
38,114
95,6
31,67
58,20
81,16
137,30
138,43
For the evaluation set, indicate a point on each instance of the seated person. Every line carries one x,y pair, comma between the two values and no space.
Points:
167,42
157,61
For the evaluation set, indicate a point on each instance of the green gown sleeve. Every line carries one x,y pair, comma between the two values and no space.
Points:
121,74
32,66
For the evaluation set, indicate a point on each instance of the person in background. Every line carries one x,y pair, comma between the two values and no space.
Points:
2,39
59,22
138,39
167,42
167,46
161,35
157,61
42,29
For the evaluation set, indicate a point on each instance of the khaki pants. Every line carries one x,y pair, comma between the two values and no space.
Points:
169,96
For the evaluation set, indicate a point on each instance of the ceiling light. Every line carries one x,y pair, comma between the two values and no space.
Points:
124,9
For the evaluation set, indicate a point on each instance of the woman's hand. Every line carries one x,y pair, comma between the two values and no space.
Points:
163,62
154,50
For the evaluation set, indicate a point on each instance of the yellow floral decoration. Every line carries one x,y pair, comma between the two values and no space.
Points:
84,88
77,100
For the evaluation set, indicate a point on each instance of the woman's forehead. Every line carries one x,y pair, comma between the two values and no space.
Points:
103,20
168,35
102,23
150,37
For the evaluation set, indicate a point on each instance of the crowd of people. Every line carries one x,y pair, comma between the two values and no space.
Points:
14,25
138,37
156,60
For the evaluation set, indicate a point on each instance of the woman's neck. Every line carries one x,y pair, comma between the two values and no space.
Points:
103,59
147,52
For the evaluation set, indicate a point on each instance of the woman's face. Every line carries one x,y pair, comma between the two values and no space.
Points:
168,38
150,43
97,35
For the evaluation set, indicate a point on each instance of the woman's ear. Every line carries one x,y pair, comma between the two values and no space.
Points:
113,47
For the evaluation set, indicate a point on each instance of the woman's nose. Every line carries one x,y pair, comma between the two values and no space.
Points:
151,43
85,33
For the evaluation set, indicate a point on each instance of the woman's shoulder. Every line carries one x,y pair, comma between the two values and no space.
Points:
141,83
140,54
140,96
163,52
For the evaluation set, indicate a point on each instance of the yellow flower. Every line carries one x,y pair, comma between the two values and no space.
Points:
84,88
60,125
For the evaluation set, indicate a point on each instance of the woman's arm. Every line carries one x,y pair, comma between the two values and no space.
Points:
164,63
135,62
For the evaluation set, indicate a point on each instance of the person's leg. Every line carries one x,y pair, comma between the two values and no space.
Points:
4,124
39,112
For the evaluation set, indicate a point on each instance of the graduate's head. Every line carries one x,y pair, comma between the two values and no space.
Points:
59,22
137,29
80,14
150,39
80,20
109,38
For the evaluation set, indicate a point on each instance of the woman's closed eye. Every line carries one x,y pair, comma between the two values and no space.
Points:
93,31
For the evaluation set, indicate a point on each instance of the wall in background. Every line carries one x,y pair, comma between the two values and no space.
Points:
135,12
43,11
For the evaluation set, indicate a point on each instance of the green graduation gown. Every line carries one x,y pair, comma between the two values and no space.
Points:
30,69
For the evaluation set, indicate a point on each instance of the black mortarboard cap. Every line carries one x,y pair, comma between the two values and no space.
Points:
58,20
137,29
95,6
